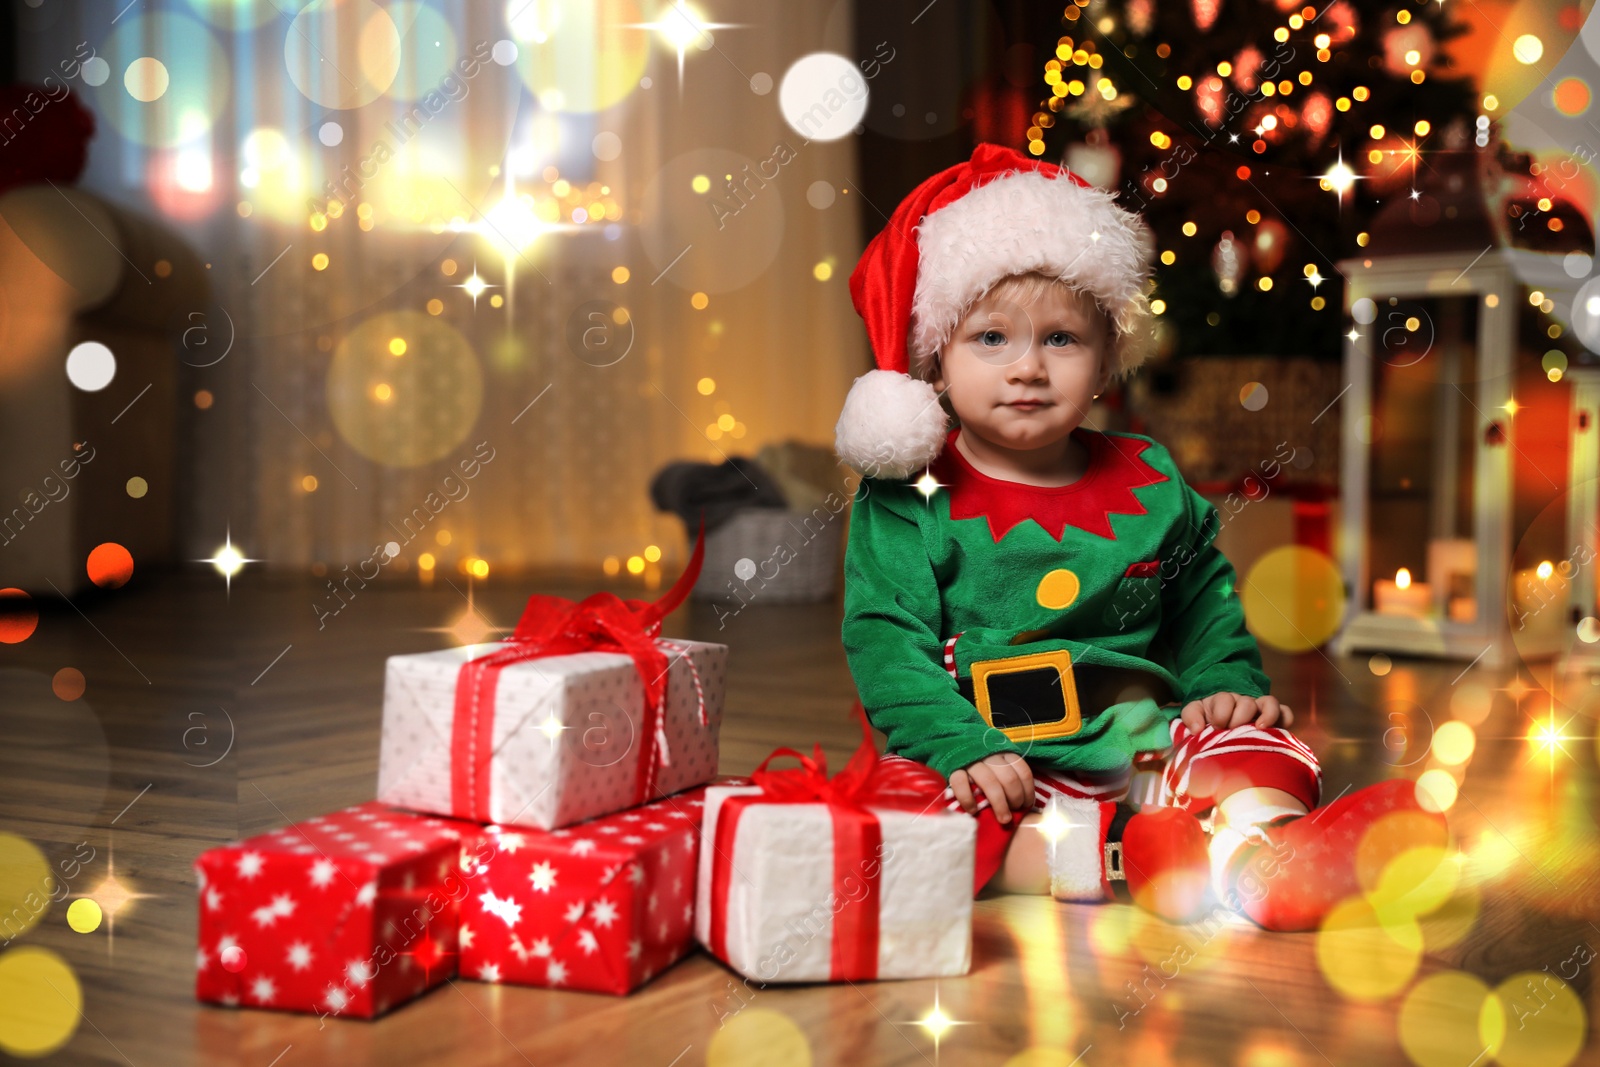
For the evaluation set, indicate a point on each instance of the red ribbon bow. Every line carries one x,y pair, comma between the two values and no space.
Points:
556,626
857,837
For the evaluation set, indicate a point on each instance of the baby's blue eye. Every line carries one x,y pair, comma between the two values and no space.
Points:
1060,339
992,337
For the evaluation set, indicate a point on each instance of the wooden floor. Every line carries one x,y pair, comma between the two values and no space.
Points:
176,667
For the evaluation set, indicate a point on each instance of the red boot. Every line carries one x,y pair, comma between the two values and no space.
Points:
1108,851
1303,865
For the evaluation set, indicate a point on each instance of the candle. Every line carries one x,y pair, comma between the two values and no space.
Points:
1401,596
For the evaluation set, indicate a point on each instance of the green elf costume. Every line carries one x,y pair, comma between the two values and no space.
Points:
985,616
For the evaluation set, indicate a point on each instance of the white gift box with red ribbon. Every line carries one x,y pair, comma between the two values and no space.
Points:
802,879
547,741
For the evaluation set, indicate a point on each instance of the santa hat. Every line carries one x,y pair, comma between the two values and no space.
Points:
955,236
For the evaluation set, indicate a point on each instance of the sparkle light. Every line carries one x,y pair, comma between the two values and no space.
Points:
1548,737
470,627
936,1023
512,225
475,286
228,560
927,485
552,727
1053,825
113,895
1340,177
681,26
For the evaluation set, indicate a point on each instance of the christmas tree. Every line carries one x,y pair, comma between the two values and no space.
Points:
1258,139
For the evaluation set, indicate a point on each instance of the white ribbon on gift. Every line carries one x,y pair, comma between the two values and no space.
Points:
663,753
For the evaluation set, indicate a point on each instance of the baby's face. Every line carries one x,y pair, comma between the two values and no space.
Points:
1024,377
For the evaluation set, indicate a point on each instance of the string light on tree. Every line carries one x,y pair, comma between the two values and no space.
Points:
1173,165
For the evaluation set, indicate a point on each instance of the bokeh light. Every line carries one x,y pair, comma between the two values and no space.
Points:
1436,790
823,96
1414,883
1195,947
1454,920
1392,836
334,67
1442,1019
1453,743
1471,702
40,1001
432,396
275,171
731,232
1293,598
579,55
1572,96
759,1035
428,48
1364,958
1544,1021
26,884
109,565
84,915
68,683
172,80
19,616
91,366
137,487
146,79
236,14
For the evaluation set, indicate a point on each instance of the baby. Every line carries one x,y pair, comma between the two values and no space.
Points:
1035,609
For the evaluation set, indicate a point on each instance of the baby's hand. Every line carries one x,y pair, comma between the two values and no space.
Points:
1225,710
1005,778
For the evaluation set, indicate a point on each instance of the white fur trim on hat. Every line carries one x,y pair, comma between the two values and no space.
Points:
1077,856
1021,222
892,425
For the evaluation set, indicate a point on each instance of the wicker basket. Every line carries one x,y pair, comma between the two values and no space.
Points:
744,560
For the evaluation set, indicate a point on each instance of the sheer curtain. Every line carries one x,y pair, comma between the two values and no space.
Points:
520,423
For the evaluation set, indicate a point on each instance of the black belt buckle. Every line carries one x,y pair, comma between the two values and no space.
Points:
1027,698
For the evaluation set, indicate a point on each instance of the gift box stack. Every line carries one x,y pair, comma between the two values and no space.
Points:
548,814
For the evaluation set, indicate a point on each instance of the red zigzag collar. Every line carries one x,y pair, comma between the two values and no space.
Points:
1115,470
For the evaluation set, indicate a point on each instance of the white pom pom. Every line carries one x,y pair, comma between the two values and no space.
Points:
892,425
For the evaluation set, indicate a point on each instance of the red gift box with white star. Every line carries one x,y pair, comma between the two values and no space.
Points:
604,905
348,914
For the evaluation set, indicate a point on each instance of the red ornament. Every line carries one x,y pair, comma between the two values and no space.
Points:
1271,243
